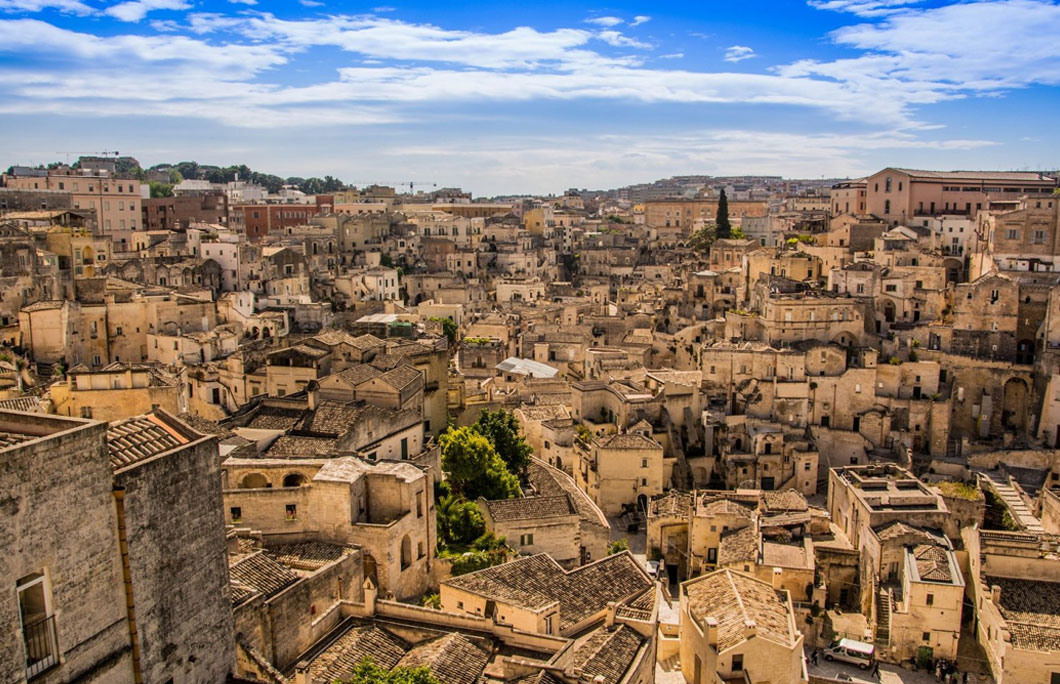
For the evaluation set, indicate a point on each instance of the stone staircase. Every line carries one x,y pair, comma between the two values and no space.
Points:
883,619
1023,516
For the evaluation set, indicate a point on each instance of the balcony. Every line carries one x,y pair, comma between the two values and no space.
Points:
42,652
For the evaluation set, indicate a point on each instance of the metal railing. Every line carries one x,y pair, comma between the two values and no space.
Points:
42,650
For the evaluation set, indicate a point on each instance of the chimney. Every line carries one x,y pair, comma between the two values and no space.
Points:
312,389
749,629
610,619
778,578
370,595
995,594
301,672
712,631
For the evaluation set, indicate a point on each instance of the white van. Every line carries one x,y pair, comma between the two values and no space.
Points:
851,651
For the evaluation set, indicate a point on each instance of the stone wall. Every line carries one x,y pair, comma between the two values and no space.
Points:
57,517
178,563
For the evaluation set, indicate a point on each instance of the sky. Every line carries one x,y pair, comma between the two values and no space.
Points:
534,97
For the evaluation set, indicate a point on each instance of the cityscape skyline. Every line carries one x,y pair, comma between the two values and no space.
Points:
534,99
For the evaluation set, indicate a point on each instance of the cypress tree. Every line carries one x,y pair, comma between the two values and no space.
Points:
724,230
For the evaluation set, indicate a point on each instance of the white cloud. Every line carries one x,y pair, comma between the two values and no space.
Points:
618,40
640,19
66,6
135,10
384,8
607,22
243,2
310,3
864,8
738,53
987,46
672,55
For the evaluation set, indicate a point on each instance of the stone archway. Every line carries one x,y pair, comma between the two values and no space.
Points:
1014,401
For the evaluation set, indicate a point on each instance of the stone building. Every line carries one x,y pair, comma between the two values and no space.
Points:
141,595
734,625
389,511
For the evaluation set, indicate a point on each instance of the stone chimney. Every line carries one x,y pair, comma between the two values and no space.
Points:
371,593
712,631
312,391
301,672
995,594
749,629
778,578
610,618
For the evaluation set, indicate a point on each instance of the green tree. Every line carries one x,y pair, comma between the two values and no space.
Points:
703,238
501,428
473,467
386,260
465,523
367,672
448,328
722,220
175,177
617,546
159,189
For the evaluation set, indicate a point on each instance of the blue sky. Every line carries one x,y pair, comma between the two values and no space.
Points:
534,97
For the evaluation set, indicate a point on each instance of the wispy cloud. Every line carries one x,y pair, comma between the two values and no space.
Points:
640,19
604,21
136,10
243,2
67,6
738,53
310,3
617,39
384,8
864,8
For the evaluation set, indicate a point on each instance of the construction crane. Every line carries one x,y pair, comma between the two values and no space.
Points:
411,185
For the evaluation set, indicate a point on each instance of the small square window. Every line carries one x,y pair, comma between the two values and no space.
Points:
926,636
236,513
291,512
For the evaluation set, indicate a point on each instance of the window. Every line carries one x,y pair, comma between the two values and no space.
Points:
38,623
643,482
526,540
290,512
643,463
887,184
926,636
930,597
737,658
236,513
1012,234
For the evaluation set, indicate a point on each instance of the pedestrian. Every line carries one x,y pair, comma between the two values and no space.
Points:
938,671
814,656
964,678
876,670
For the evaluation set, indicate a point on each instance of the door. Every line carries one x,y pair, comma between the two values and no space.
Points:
768,484
697,671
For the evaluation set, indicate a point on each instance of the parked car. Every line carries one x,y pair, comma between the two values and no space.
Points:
851,651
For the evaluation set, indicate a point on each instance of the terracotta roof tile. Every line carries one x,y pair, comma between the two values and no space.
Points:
732,599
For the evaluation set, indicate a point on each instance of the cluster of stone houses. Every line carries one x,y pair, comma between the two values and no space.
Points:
843,421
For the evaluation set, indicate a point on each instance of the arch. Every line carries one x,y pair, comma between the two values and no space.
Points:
888,311
1025,352
406,552
1014,400
294,480
254,481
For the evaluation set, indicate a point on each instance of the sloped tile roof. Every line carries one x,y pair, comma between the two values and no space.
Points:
605,652
309,555
740,546
361,641
135,439
932,563
258,573
538,581
732,599
530,508
452,659
1031,609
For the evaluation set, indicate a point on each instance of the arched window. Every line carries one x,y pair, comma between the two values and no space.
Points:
406,552
254,481
293,480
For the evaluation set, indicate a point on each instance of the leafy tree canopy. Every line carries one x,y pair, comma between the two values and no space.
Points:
501,428
703,238
473,467
367,672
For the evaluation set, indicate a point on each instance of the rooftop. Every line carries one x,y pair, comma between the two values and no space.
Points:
538,581
734,599
136,439
1031,609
